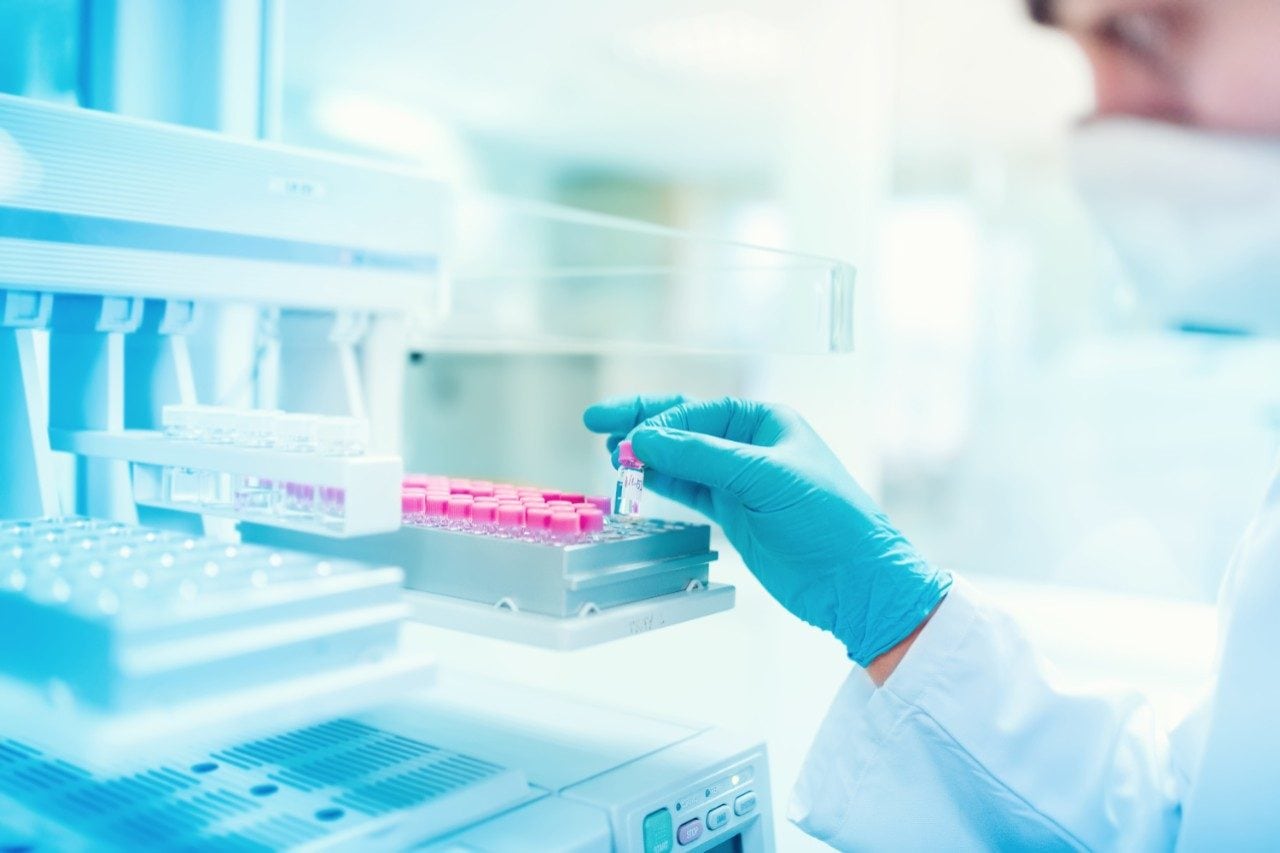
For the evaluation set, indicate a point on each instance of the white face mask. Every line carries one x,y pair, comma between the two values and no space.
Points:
1194,216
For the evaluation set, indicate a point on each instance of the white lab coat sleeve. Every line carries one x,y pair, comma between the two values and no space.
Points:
973,744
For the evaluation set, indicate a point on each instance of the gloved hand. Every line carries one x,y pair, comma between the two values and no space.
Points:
816,541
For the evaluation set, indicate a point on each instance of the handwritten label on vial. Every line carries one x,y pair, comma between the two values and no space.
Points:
630,490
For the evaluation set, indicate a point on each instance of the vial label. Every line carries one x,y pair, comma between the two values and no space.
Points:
626,500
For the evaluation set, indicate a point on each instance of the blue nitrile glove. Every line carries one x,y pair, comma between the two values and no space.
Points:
816,541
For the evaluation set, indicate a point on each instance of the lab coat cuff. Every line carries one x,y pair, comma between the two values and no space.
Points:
930,660
851,744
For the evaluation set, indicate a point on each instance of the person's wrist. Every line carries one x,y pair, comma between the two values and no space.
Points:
882,667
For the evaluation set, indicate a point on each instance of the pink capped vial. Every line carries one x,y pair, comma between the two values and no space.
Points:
549,495
560,503
565,523
460,487
458,507
413,504
533,499
436,505
415,481
481,488
601,502
537,517
484,513
572,497
511,515
592,519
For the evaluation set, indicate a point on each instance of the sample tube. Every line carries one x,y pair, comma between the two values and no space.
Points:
255,427
182,485
436,509
178,421
510,517
458,511
536,521
484,516
253,494
299,500
592,519
565,524
626,499
295,433
413,506
341,436
332,506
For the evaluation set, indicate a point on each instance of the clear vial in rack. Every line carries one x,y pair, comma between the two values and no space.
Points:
295,433
182,485
178,421
297,500
341,436
255,427
219,423
331,508
253,494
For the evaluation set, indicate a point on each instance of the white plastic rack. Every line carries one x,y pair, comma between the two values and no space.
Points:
370,484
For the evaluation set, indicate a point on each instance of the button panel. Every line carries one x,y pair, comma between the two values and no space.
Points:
717,817
657,832
689,831
745,803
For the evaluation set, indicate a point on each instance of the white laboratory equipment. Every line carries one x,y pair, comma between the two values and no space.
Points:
203,608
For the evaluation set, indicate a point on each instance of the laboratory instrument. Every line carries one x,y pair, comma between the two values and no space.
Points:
203,645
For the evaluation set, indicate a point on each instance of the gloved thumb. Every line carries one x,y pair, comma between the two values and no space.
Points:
699,458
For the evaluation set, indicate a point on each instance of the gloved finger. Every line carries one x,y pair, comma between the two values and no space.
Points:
744,421
709,460
622,414
693,495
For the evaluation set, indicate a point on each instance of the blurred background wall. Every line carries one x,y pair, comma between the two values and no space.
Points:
1012,407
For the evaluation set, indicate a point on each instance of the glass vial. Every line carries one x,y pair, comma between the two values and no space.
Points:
626,498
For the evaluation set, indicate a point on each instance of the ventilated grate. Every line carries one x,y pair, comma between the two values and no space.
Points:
322,781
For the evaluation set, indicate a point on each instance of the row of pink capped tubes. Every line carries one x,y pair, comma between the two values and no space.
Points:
484,503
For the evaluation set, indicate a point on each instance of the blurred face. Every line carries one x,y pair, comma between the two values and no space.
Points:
1204,63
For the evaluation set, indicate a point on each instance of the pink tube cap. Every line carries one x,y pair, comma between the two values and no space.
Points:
511,515
484,513
459,507
592,519
537,517
436,504
601,503
565,522
413,501
627,456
